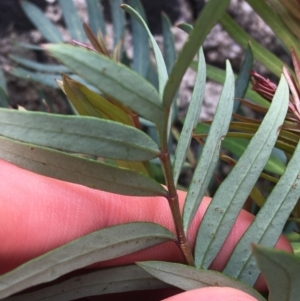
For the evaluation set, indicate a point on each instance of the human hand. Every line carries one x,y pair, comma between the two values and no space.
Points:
39,214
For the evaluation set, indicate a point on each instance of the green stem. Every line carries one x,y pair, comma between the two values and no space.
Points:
175,209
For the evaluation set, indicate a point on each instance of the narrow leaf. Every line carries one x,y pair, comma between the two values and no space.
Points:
238,145
191,119
218,75
4,101
78,170
169,43
3,82
42,78
94,41
211,150
243,78
281,271
234,190
161,66
140,38
211,13
152,75
98,246
264,56
96,18
272,19
48,79
170,58
296,64
133,165
185,27
90,103
28,46
107,281
282,145
268,223
38,66
188,278
87,135
118,17
3,91
72,19
292,24
113,79
41,22
78,100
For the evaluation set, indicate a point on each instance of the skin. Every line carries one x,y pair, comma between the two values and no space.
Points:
39,214
213,294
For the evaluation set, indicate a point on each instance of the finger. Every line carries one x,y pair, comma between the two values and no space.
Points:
212,294
39,214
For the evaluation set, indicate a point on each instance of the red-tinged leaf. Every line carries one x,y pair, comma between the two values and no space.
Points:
292,85
94,41
296,63
254,106
246,119
89,103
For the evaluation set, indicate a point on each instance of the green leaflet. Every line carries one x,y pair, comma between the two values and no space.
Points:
113,79
96,18
90,103
161,66
281,271
118,18
218,75
43,78
211,150
243,78
98,246
170,58
264,56
43,24
268,223
48,79
211,13
141,59
28,46
72,19
3,91
191,119
38,66
185,27
286,11
86,135
78,170
239,145
106,281
169,43
272,19
232,193
188,278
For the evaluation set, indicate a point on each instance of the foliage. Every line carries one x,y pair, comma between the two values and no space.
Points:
242,127
105,139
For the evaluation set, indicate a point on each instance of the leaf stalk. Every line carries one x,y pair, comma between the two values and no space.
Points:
173,201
